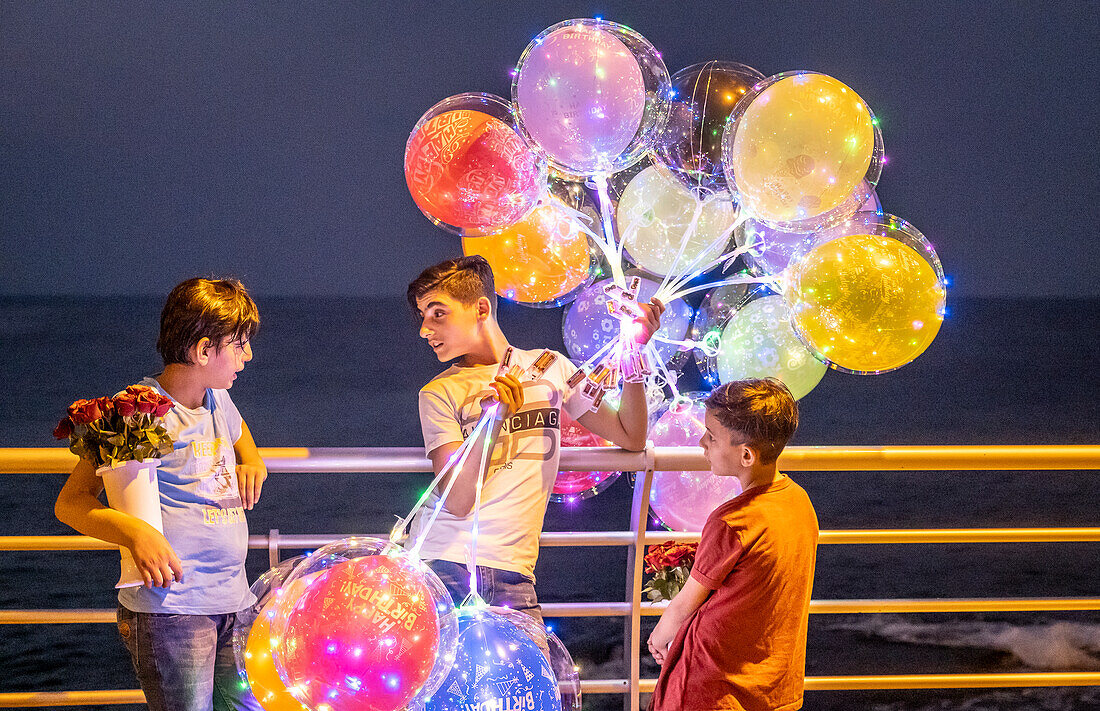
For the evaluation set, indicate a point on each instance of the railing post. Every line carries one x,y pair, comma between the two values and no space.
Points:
635,555
273,547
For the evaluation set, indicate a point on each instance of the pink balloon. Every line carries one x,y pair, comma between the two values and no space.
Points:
573,485
683,500
581,96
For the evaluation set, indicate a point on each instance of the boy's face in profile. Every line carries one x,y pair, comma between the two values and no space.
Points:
224,363
449,326
723,455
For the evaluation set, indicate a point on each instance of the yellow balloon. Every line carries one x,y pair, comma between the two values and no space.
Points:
267,687
540,259
801,147
867,303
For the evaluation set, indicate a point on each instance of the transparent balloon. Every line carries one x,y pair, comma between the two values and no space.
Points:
668,229
706,328
498,665
572,486
252,645
592,94
758,341
561,661
467,168
546,258
802,151
703,97
682,500
867,296
369,628
774,248
587,326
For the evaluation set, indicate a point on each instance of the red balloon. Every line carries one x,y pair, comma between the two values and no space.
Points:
471,172
362,637
570,486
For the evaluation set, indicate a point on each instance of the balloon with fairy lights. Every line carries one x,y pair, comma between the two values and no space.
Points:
682,500
373,629
546,258
758,341
868,296
667,228
802,151
252,644
588,327
572,486
467,168
703,97
706,327
498,665
592,94
561,661
772,249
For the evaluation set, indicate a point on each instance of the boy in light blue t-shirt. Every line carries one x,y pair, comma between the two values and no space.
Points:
178,627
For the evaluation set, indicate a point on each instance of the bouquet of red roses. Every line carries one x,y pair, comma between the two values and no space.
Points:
670,564
127,427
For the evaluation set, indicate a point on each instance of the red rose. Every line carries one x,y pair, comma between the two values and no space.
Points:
106,405
63,429
164,406
83,412
147,401
126,404
136,389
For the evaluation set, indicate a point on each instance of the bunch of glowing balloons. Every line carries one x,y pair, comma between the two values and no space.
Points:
606,181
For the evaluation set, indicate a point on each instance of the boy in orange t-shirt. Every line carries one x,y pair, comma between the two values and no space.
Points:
735,635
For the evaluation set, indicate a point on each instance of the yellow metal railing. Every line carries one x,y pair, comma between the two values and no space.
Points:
393,460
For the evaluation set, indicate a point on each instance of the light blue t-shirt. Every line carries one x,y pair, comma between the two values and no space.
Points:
202,511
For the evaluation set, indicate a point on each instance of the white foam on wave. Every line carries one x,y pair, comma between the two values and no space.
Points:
1052,645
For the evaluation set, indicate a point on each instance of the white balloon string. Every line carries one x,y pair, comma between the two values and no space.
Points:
768,278
707,348
466,449
613,253
661,369
398,531
584,221
680,277
599,354
724,257
689,233
474,530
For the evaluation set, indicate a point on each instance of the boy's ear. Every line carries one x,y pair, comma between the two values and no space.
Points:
484,308
200,352
748,456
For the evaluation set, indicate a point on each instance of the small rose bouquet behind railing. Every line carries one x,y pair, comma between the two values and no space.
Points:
670,564
122,436
127,427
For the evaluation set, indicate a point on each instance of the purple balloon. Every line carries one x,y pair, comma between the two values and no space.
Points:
580,95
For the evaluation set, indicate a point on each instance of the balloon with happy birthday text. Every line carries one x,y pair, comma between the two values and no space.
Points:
561,661
758,341
868,296
773,248
545,258
587,326
668,229
591,94
372,631
252,645
681,501
497,666
703,98
467,168
570,486
802,151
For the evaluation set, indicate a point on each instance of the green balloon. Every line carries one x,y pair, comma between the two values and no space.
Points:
759,342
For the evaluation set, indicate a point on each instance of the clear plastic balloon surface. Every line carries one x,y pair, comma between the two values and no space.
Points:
682,500
362,626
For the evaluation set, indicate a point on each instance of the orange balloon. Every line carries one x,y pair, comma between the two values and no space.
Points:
540,259
259,665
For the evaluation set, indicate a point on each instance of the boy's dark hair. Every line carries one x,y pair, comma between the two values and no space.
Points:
218,309
764,411
465,279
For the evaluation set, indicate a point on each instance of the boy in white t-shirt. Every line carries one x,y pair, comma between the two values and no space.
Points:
456,304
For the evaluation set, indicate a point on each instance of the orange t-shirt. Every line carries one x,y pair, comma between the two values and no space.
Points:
745,647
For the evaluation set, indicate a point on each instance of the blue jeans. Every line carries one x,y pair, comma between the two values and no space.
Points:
185,662
504,588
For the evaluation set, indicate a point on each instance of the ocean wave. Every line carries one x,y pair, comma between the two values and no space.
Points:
1055,645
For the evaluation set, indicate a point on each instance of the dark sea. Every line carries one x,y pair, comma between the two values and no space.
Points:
345,372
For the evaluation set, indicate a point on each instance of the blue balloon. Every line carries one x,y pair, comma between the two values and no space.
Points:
497,666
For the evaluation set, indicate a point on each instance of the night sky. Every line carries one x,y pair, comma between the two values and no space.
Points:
141,144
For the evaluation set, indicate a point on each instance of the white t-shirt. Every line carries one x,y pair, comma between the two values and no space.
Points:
523,466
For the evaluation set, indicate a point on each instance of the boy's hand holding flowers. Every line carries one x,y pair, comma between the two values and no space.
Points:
670,564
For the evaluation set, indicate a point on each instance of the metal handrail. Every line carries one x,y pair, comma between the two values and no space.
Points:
407,460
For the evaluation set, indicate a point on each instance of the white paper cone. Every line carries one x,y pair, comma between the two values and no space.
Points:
132,488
